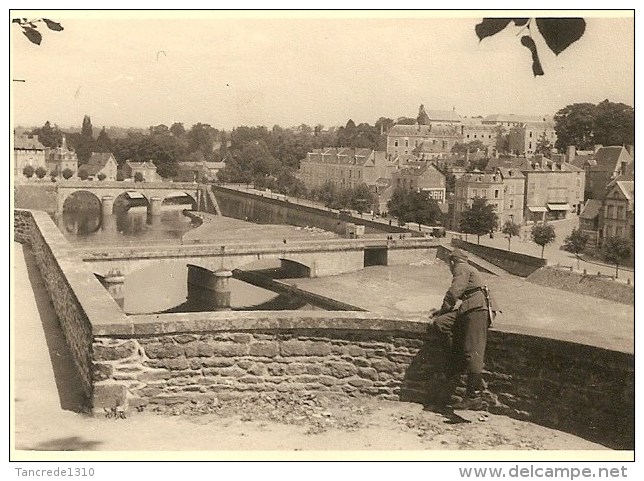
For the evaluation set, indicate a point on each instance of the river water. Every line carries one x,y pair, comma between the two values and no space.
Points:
161,287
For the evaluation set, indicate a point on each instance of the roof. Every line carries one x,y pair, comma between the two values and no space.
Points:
435,130
445,115
141,165
345,156
512,118
27,142
608,158
510,173
409,130
628,189
592,209
583,159
99,159
480,177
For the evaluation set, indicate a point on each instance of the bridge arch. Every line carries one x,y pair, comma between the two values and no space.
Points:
80,199
168,198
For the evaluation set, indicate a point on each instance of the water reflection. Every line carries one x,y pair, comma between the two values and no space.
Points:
130,225
170,281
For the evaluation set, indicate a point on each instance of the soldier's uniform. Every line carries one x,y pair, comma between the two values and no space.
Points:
465,327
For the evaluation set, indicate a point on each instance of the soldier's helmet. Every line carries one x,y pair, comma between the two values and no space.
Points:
458,255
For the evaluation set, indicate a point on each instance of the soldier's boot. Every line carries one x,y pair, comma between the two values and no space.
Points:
472,400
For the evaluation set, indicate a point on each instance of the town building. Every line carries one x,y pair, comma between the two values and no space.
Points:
513,195
195,171
344,168
473,129
474,185
589,221
27,150
603,167
553,190
524,138
61,158
426,141
618,212
100,163
147,170
422,178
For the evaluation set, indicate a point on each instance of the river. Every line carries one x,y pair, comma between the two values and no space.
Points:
162,287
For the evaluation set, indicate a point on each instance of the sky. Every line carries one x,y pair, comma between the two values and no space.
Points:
217,68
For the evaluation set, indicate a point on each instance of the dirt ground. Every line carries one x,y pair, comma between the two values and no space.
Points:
46,419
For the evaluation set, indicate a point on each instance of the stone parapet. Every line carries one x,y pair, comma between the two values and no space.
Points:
130,362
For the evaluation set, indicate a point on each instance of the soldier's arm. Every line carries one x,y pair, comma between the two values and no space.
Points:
459,283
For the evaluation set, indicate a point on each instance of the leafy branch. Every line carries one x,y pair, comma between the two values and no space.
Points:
30,28
558,33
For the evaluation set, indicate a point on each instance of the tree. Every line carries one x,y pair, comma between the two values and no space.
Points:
422,118
28,171
405,121
575,243
83,173
86,129
558,33
178,130
48,136
101,176
138,177
574,125
67,173
103,142
479,218
614,124
510,229
41,172
615,250
473,146
543,146
502,139
543,234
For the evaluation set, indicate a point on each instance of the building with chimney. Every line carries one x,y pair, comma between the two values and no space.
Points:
344,168
523,138
483,185
603,167
27,150
421,178
147,169
426,141
618,213
101,163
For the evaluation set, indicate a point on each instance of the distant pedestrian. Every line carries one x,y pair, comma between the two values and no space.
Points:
463,319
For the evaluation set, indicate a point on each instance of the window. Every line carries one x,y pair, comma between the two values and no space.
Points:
395,143
609,211
511,203
496,193
621,212
619,231
530,134
406,142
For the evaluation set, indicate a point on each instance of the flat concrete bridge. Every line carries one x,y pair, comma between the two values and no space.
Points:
300,258
106,192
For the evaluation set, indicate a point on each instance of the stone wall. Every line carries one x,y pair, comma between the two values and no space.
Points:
176,359
265,210
589,285
132,362
36,196
76,295
518,264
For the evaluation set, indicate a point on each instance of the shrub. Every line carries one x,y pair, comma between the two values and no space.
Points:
28,171
41,172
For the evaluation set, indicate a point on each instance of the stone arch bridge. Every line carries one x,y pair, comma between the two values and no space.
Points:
154,192
300,258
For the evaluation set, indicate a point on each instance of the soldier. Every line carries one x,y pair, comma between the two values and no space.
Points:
464,318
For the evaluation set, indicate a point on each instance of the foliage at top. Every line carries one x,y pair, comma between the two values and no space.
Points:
616,250
30,27
558,33
543,234
411,206
585,124
479,218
